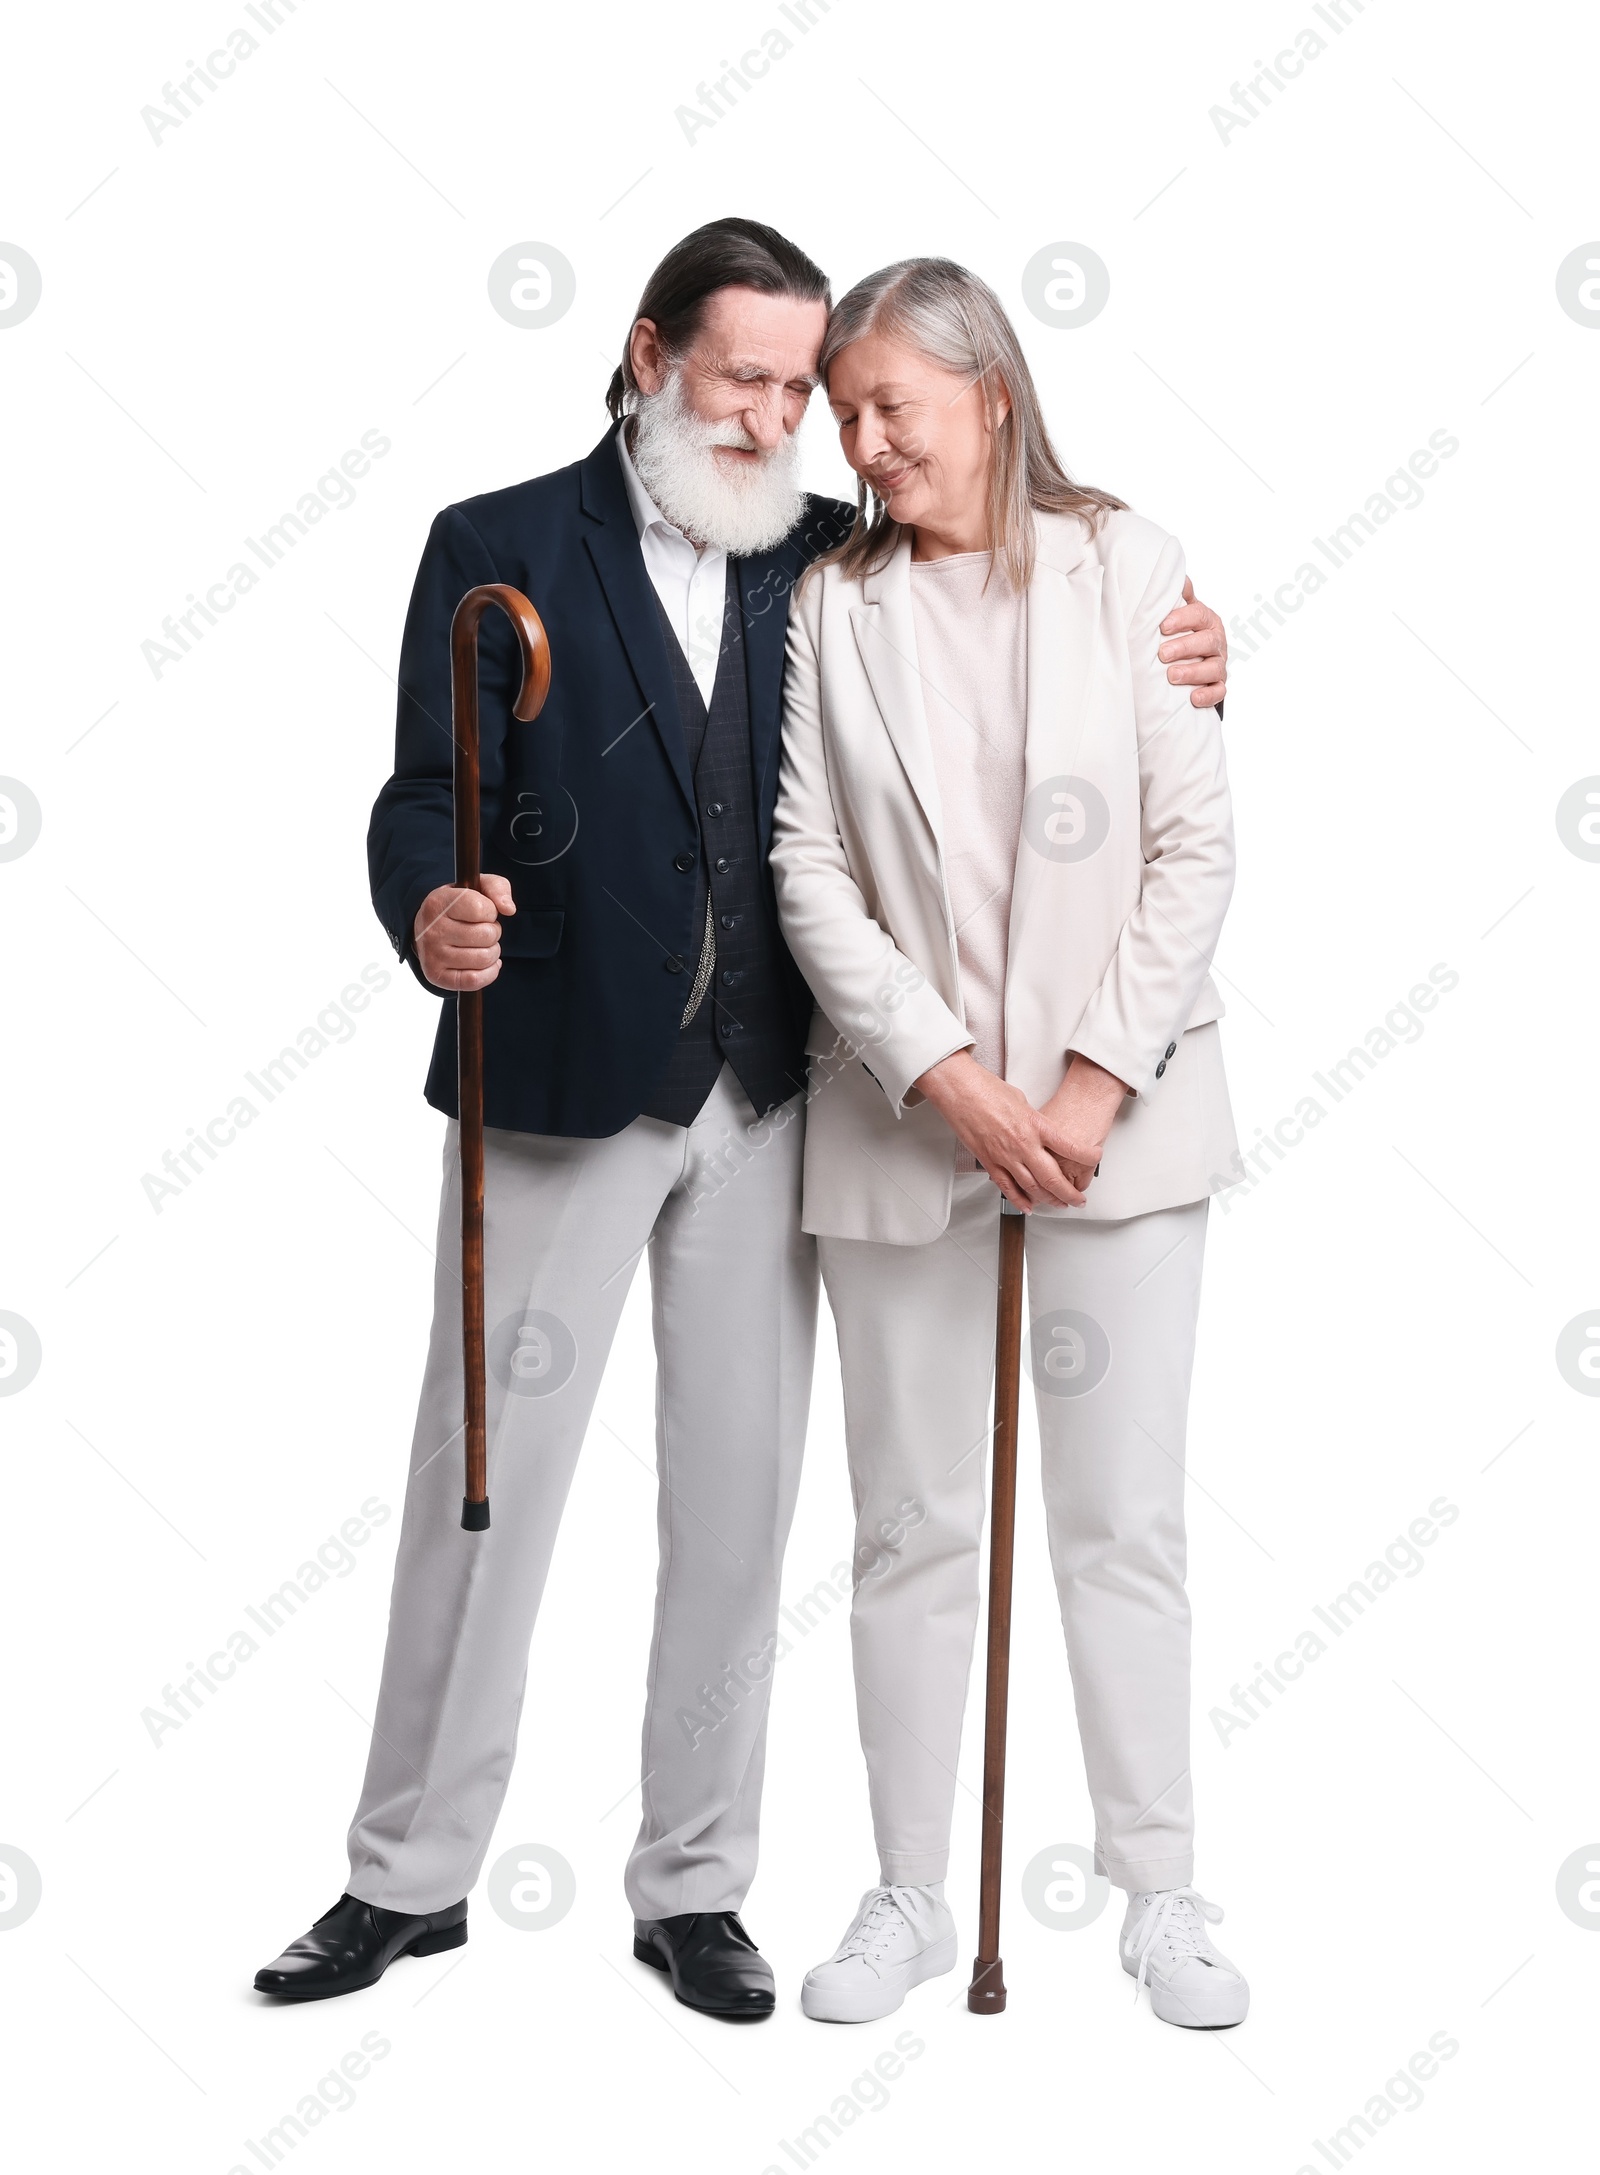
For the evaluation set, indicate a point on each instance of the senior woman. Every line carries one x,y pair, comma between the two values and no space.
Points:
1003,854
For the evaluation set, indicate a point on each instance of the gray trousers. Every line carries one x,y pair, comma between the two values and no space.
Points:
717,1207
1109,1341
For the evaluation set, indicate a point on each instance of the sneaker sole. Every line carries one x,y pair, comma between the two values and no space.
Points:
1229,2006
830,2005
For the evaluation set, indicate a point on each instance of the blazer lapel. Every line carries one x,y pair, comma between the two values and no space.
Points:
1063,628
612,543
1063,631
886,637
764,586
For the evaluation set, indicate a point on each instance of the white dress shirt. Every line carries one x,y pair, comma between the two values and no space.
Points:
691,581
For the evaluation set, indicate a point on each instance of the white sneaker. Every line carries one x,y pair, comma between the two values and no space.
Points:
898,1938
1164,1940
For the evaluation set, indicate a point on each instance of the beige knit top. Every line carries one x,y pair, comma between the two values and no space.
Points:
972,653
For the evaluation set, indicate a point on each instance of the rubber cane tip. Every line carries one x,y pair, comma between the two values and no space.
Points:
474,1516
986,1996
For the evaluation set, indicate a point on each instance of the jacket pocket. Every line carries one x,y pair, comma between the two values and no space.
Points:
1208,1006
532,932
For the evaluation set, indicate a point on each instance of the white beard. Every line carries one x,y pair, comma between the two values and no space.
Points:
739,510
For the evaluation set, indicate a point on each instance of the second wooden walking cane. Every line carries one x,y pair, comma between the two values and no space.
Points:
469,1003
986,1996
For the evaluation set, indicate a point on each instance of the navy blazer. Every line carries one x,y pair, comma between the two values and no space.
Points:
590,810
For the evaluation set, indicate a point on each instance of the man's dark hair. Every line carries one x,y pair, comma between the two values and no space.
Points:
725,253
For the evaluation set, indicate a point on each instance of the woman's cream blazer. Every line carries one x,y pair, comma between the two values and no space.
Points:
1124,872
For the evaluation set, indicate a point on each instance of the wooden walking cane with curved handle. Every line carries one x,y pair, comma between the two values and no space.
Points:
469,1002
986,1995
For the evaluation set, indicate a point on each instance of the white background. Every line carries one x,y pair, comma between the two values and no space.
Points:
1292,313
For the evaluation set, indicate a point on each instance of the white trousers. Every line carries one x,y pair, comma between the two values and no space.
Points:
1109,1342
733,1277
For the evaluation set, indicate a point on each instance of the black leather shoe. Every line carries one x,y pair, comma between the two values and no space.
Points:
353,1945
712,1962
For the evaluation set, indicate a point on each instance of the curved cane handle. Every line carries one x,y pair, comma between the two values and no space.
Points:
535,648
531,640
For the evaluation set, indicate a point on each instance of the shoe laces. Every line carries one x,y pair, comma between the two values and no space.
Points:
877,1917
1178,1917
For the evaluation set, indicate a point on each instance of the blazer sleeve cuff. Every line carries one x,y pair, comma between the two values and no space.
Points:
1137,1069
399,901
897,1059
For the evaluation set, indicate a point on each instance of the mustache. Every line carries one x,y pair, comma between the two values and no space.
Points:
736,438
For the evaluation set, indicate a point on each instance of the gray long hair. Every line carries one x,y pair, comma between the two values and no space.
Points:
953,318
